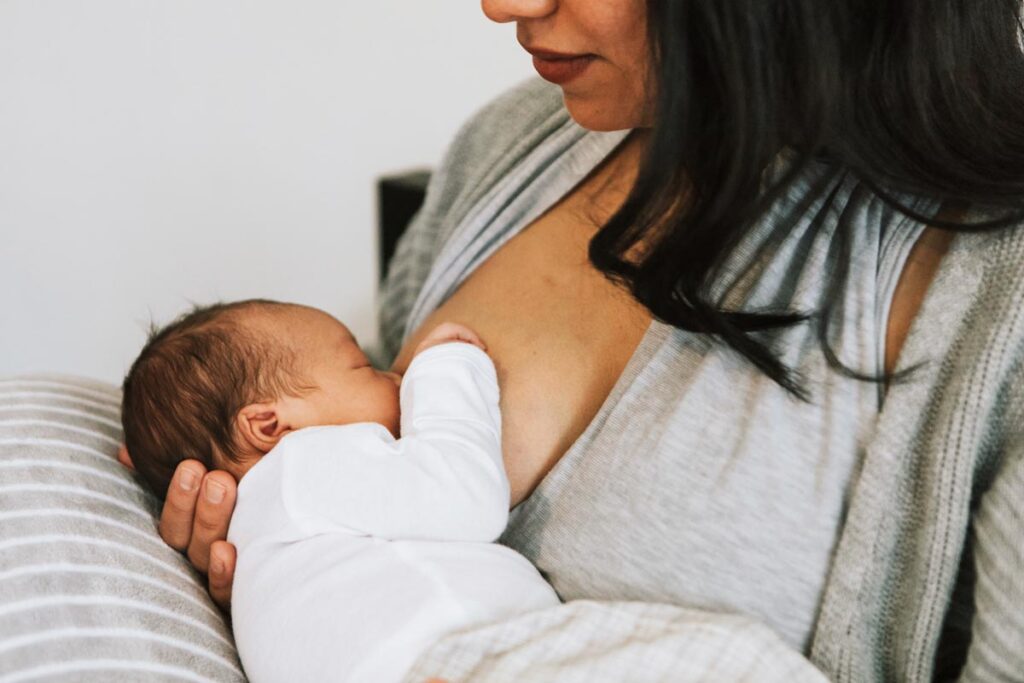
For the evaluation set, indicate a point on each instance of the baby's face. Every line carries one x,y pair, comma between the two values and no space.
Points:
349,389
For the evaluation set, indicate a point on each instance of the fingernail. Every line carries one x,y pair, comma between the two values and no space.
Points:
214,492
187,480
217,565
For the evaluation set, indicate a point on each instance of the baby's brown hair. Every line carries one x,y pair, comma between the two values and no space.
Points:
191,379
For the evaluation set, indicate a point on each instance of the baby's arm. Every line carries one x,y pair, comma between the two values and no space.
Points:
443,480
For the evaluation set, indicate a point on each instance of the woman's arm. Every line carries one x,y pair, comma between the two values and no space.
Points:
585,640
997,632
617,641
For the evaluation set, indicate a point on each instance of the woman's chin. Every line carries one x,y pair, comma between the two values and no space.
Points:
601,115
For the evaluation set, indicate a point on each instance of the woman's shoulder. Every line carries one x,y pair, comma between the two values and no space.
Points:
515,113
531,100
495,137
486,148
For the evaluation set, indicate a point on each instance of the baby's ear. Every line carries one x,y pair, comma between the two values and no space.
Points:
260,426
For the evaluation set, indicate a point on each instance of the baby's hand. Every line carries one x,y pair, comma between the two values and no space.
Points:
449,332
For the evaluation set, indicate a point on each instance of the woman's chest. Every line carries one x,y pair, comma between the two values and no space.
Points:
558,332
702,485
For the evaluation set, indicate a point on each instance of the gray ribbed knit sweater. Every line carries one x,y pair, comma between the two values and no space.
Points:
931,549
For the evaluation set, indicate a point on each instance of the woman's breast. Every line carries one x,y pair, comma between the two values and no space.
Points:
702,485
559,334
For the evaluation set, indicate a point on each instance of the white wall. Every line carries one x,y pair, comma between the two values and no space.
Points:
154,152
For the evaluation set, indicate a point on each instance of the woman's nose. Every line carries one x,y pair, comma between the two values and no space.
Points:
504,11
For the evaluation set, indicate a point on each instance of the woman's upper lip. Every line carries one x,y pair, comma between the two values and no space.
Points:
541,53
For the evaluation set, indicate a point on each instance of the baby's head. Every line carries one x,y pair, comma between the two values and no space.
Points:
223,383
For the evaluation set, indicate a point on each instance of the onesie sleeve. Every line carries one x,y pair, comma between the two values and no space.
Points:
443,480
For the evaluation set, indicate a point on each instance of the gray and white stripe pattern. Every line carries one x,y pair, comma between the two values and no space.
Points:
88,590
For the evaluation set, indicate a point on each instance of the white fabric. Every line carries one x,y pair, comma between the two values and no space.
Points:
357,551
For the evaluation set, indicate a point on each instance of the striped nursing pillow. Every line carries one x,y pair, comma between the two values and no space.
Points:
88,591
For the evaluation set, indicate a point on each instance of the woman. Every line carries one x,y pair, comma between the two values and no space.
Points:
699,265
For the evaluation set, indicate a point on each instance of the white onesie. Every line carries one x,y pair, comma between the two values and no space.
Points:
356,551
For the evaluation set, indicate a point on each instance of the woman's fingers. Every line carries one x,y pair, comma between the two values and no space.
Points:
222,573
213,514
195,517
179,510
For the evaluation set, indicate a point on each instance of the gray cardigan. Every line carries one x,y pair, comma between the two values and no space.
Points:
932,545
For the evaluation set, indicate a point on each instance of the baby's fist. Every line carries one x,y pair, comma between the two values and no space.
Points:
450,332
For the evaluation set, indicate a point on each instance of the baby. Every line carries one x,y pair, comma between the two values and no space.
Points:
368,504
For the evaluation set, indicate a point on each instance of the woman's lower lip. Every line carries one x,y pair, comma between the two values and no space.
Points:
560,71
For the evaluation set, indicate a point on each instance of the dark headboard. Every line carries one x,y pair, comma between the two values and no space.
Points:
399,197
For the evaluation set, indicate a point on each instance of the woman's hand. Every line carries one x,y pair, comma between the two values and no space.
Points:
449,332
195,519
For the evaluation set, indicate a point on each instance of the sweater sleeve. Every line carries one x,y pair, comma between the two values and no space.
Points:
443,480
602,642
996,650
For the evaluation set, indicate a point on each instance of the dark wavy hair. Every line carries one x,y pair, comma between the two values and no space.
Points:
924,97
